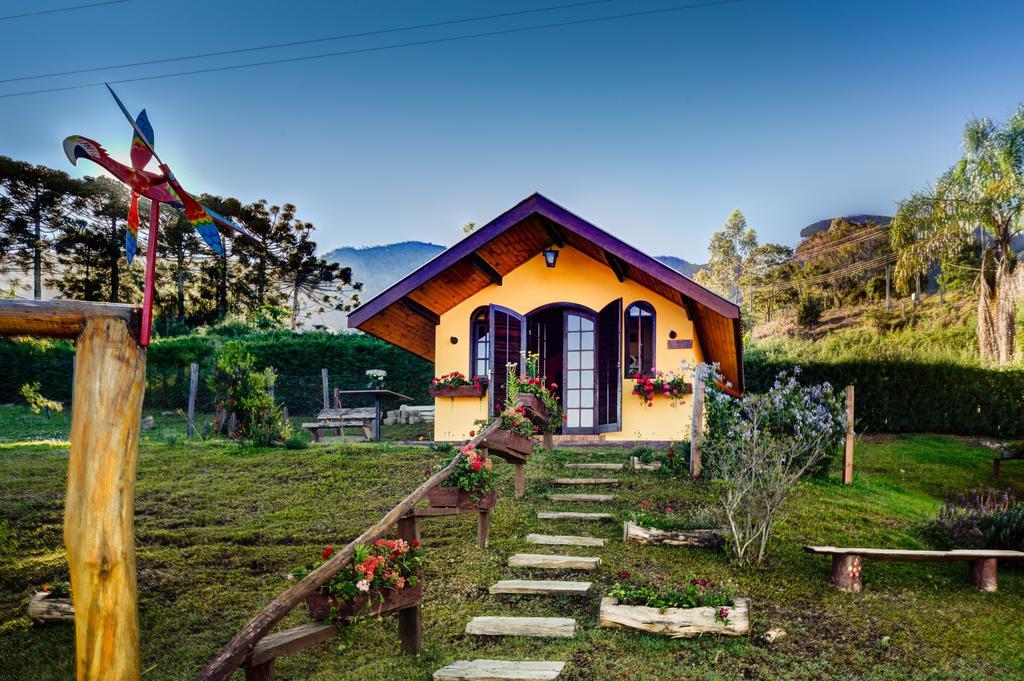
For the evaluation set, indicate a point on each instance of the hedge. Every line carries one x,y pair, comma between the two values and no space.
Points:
297,358
902,396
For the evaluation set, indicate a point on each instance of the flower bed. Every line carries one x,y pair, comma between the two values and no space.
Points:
381,578
667,526
699,607
456,384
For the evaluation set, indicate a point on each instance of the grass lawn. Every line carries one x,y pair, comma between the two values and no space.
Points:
219,526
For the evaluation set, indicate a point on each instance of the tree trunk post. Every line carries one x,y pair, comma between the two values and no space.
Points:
697,423
193,386
846,571
549,442
483,528
99,512
983,572
410,620
848,454
263,672
327,391
520,480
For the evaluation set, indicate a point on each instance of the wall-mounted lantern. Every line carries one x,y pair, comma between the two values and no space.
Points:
550,256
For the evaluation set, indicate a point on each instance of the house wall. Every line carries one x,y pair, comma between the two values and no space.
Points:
579,279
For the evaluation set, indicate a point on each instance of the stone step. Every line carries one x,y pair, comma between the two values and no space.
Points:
572,515
588,498
564,540
538,586
551,562
596,466
499,670
555,627
584,481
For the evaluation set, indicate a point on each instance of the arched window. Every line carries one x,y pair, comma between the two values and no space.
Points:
479,342
639,338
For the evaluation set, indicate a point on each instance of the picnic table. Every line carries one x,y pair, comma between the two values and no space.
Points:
377,394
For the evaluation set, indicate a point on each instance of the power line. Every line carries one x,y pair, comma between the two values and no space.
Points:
58,10
814,252
310,41
381,48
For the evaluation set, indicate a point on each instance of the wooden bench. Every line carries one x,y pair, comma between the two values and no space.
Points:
982,564
337,419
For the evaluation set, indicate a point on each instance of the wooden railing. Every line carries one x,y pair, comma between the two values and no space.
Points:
235,653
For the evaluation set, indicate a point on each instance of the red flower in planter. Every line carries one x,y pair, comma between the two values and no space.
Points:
415,543
327,553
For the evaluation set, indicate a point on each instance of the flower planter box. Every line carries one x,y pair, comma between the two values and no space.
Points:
635,534
461,391
453,497
384,603
506,441
535,409
43,607
676,622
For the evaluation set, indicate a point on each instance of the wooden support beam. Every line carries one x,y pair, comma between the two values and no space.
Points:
697,423
99,511
485,268
618,266
848,451
554,232
421,310
410,620
61,318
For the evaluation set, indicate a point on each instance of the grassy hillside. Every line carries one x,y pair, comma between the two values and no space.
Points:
218,528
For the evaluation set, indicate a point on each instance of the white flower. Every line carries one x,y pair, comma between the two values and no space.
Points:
363,585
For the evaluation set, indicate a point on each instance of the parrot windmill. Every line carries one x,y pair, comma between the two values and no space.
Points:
159,188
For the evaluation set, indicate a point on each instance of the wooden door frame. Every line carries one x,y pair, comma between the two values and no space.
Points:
590,314
492,379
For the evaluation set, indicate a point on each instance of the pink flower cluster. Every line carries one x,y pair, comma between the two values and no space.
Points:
475,460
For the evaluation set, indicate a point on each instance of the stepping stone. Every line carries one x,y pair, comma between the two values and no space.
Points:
584,481
537,586
571,515
596,466
499,670
564,540
544,560
555,627
592,498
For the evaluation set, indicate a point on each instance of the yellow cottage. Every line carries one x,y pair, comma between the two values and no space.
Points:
597,311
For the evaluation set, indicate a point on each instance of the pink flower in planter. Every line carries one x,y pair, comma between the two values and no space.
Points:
363,585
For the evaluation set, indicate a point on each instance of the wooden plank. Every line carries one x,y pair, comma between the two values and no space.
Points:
99,508
586,498
572,515
538,586
676,622
499,670
61,318
553,627
564,540
565,482
916,556
290,641
43,608
596,466
550,562
634,534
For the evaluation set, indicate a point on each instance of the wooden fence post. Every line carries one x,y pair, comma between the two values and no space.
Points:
99,512
697,422
193,386
273,381
327,392
410,620
848,456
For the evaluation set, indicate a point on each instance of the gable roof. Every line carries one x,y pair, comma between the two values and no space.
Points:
406,313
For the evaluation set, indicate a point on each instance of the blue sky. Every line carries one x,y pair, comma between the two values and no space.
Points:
653,127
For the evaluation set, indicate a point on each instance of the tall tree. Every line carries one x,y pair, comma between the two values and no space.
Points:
180,246
312,284
768,277
984,191
38,202
728,250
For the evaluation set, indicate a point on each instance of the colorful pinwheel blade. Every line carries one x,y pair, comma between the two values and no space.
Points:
142,152
131,232
196,215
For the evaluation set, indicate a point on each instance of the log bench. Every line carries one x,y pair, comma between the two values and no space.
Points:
1004,456
982,564
337,419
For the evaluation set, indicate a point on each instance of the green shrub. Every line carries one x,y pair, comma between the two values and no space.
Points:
244,406
296,442
808,311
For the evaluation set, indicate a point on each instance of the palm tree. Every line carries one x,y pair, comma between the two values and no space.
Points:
981,195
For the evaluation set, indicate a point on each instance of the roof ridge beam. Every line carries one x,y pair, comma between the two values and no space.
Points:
553,231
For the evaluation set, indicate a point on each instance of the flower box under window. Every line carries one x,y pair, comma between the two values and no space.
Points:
461,391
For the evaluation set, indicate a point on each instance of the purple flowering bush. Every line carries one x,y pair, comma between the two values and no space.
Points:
979,519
